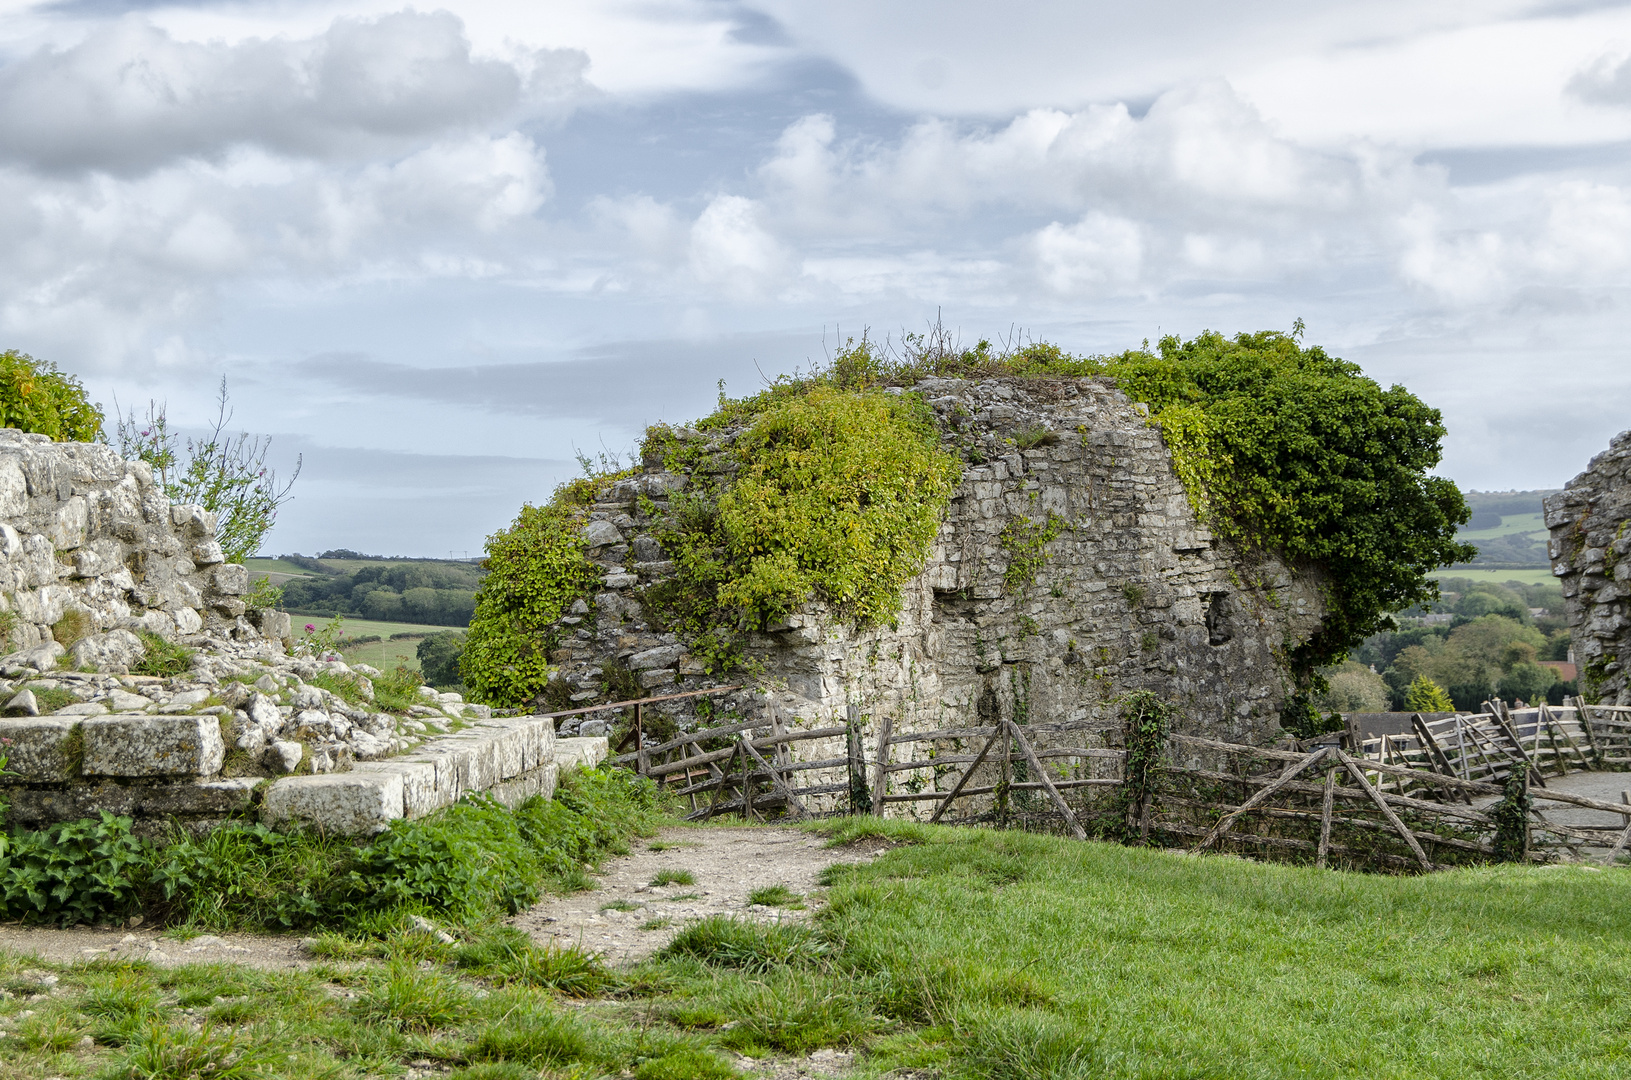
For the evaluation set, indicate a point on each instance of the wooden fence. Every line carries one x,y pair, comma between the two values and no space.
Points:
1405,803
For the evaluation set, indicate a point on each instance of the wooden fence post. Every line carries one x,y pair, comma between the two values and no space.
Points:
1325,817
880,769
1047,781
860,800
962,781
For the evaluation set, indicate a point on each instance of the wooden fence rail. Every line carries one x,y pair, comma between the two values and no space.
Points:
1419,801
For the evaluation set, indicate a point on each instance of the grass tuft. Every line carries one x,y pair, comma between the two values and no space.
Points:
776,896
741,943
674,877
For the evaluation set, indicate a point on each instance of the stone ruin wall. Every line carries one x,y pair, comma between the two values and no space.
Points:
82,530
1590,522
92,552
1134,594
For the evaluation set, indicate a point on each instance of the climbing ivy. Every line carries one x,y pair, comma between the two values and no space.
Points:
536,569
1025,542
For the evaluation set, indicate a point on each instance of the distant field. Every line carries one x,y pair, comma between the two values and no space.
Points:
1537,576
275,569
1510,524
355,628
386,655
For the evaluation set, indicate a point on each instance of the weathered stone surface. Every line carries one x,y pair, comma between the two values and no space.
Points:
347,804
115,650
141,745
37,749
125,701
216,799
1590,523
284,755
580,752
540,782
420,794
23,703
41,657
601,533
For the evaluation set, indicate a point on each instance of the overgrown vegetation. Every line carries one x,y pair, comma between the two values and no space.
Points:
535,570
476,860
35,396
226,474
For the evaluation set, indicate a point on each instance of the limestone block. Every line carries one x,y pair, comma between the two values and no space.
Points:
23,703
42,657
116,650
69,529
662,657
541,781
284,755
82,708
347,804
600,534
420,794
231,579
208,553
188,621
37,749
13,489
11,545
193,520
140,745
585,752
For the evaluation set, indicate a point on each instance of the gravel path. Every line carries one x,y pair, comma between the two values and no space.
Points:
627,917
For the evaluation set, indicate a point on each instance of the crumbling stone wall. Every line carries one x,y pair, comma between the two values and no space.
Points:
1590,521
82,530
1132,593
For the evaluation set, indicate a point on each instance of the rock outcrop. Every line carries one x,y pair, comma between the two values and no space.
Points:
1126,591
1590,522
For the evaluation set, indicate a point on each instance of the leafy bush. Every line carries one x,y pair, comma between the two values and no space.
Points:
839,494
398,688
536,569
225,474
473,861
1425,695
76,871
35,396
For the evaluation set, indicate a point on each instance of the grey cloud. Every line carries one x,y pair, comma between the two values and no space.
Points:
130,98
626,385
1606,81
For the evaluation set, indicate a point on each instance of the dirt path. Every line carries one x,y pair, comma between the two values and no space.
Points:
64,946
627,917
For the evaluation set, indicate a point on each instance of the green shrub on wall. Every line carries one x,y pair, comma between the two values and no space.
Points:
839,494
536,569
35,396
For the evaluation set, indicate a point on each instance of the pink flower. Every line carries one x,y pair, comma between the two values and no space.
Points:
310,627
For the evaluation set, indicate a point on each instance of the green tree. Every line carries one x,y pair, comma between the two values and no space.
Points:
225,474
1425,695
439,655
1353,687
36,397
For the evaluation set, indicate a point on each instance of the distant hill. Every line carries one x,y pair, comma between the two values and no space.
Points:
438,592
1508,528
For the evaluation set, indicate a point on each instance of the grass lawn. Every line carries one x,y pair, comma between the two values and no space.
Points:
364,627
1536,576
257,566
968,953
386,654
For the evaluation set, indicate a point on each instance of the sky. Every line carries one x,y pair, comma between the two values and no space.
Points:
436,253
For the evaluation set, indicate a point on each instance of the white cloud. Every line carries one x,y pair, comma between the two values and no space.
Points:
129,97
732,249
1098,250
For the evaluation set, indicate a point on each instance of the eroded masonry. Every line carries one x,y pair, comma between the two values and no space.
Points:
1063,576
1590,521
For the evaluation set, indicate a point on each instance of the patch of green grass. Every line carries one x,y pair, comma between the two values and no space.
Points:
163,657
741,943
506,956
665,845
685,896
408,998
51,698
685,1064
657,924
674,877
620,905
776,896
